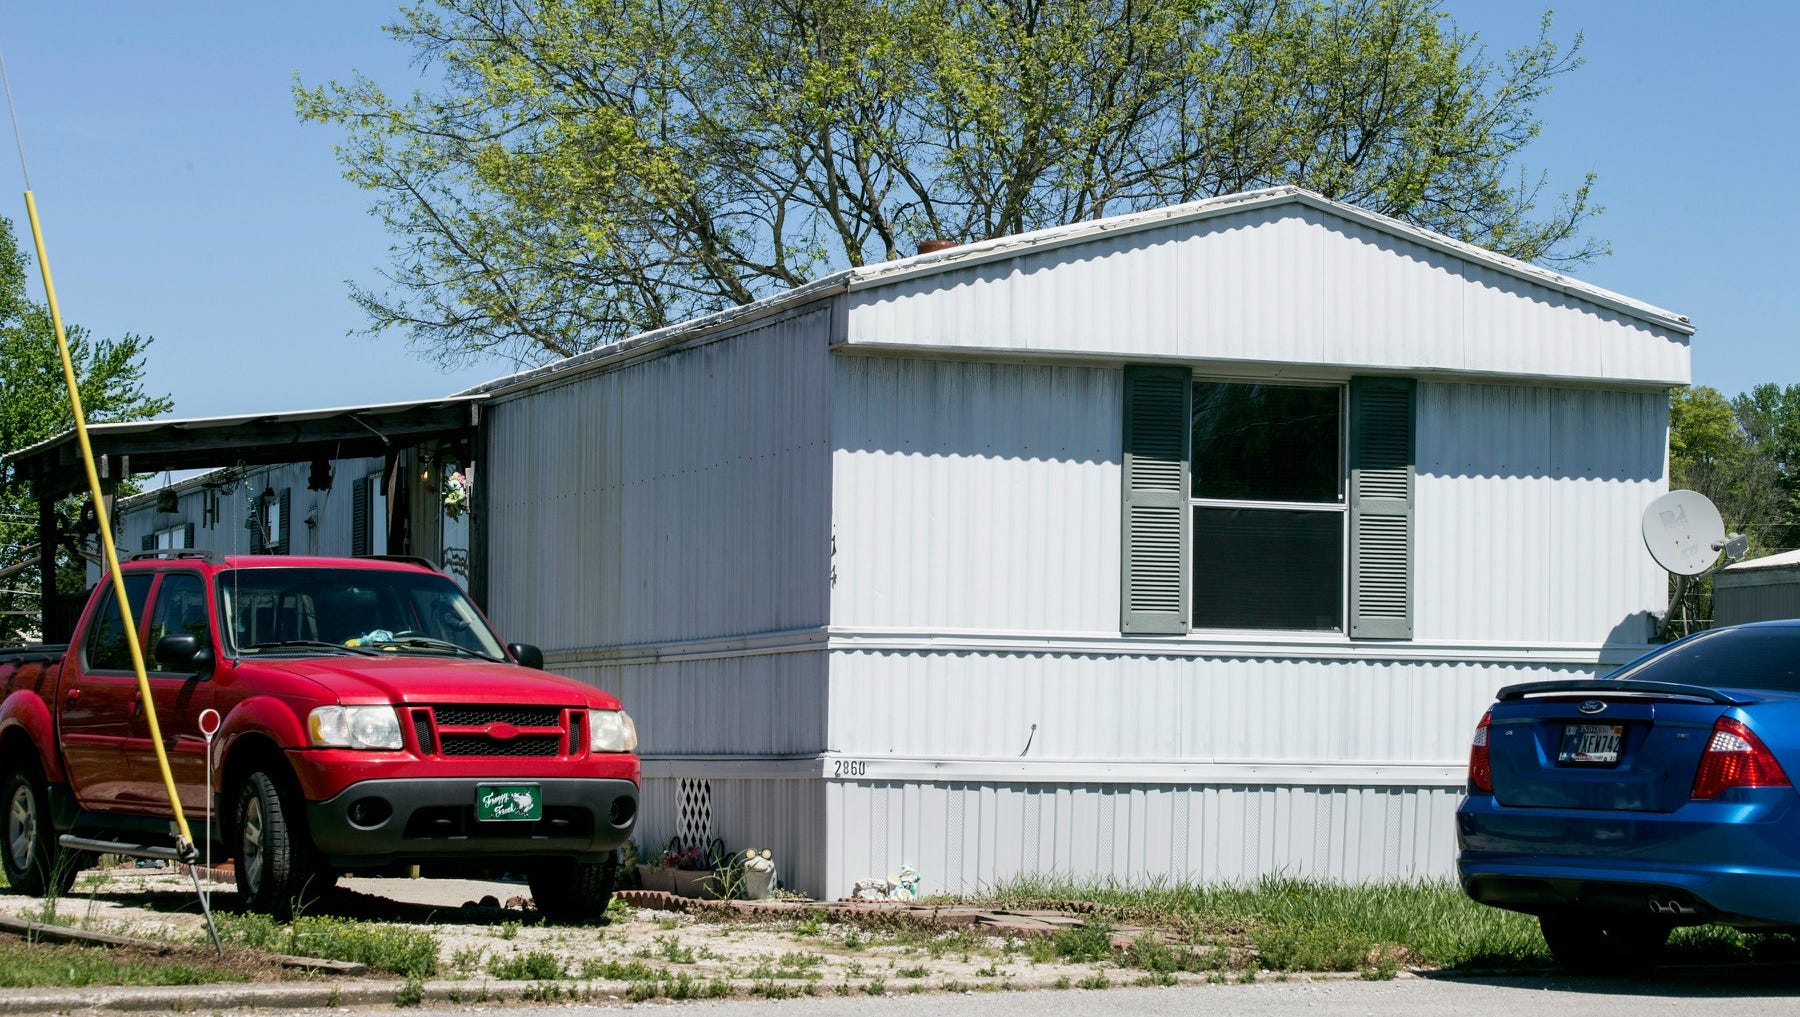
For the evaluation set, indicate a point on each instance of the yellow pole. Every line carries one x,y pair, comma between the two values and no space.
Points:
186,845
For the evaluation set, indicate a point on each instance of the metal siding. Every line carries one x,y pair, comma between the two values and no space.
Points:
983,498
1528,509
677,498
1288,285
971,495
965,838
1736,604
749,704
1173,709
785,816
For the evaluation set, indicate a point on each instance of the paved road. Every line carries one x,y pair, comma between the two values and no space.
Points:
1743,993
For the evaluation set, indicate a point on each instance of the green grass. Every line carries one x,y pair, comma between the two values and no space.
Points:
1302,925
392,948
24,965
620,971
535,966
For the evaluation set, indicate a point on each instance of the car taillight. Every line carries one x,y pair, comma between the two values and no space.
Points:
1481,770
1736,758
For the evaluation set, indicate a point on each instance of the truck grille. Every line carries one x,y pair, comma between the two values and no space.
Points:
482,716
481,745
541,730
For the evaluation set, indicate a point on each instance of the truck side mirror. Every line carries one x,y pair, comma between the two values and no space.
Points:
183,653
527,655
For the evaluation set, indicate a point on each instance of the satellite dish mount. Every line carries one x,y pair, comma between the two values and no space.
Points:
1685,534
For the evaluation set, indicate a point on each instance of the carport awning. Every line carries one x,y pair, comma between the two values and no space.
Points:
53,467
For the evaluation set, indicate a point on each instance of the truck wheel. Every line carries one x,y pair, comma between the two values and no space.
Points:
567,891
34,862
277,869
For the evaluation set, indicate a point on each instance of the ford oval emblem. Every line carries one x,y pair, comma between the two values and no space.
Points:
502,731
1592,706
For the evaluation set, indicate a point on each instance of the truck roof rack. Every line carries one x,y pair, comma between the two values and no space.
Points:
206,555
404,559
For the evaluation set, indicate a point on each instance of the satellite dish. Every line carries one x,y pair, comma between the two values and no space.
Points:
1684,532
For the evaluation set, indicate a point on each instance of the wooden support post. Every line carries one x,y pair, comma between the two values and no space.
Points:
478,520
53,628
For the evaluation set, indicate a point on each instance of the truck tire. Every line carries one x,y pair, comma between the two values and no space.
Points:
570,892
278,872
33,860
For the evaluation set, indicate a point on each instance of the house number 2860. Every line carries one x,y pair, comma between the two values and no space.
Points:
849,768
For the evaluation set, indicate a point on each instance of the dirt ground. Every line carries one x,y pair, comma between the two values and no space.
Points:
680,954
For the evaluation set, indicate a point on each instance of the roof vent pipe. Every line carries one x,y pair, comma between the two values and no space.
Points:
934,246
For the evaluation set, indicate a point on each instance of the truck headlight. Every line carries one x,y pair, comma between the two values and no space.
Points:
611,731
355,727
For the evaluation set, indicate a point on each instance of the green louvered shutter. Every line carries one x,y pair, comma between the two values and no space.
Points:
1381,500
1154,591
187,535
149,541
359,517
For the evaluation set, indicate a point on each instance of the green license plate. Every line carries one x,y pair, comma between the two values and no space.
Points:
498,803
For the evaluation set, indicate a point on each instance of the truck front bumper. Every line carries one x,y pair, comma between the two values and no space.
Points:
411,820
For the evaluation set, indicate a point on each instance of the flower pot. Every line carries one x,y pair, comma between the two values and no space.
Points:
655,877
698,883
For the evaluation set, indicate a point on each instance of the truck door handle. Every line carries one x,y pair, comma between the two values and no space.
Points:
73,697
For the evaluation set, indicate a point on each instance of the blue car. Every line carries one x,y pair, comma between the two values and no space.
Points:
1615,809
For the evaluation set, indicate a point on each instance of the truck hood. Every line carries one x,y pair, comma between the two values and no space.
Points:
419,679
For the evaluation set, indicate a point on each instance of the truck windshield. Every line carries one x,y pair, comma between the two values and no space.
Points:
297,609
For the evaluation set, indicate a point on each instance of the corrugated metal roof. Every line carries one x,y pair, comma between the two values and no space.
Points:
1003,248
1768,562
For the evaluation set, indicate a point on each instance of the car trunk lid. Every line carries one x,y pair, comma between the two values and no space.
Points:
1601,744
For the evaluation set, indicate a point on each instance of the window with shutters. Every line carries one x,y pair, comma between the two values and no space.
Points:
173,538
1262,506
1267,493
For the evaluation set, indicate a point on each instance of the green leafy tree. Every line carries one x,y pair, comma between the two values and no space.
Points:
1744,455
110,373
581,170
1769,417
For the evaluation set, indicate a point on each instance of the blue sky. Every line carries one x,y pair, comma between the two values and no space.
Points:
181,199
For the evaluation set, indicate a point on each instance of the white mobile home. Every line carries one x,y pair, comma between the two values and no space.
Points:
1183,543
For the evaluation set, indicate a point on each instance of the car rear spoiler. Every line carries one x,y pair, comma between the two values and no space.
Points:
1609,687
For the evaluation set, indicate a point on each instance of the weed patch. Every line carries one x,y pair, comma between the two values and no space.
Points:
620,971
1434,921
1088,942
391,948
535,966
29,965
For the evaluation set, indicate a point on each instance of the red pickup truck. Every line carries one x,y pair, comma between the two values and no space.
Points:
368,718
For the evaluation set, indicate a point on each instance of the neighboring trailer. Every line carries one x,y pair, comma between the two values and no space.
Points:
1761,589
915,566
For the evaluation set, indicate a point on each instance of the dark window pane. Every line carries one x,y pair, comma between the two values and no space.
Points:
1265,443
106,647
1268,569
1761,657
180,610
